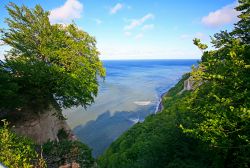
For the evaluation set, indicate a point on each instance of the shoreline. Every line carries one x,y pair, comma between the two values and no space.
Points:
159,106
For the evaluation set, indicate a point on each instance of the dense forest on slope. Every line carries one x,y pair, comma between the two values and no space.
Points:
158,142
206,127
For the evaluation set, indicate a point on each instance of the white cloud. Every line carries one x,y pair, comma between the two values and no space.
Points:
139,36
116,8
72,9
1,56
137,22
1,43
128,33
3,49
199,35
223,16
185,36
118,51
148,27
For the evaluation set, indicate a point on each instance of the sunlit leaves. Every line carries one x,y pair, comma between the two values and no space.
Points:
220,106
50,62
15,151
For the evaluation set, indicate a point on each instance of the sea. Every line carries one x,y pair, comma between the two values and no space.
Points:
130,92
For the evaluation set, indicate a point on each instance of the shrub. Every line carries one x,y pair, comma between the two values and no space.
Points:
17,151
65,152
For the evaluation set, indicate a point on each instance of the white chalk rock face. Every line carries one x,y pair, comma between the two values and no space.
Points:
188,84
42,127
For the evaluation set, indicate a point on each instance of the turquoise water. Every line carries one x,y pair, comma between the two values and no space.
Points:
130,92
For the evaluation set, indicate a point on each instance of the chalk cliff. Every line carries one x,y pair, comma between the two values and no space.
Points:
42,127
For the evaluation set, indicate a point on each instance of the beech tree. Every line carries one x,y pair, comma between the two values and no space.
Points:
219,109
47,63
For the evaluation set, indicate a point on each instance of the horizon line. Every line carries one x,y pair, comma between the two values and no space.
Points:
150,59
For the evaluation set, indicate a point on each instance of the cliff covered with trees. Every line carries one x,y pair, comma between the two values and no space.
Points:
207,126
57,66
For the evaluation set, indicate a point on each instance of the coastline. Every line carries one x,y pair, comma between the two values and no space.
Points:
159,106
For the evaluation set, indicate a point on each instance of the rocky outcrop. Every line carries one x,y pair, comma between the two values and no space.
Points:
42,127
191,84
188,85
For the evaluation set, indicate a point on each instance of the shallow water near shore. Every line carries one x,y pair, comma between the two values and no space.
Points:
130,92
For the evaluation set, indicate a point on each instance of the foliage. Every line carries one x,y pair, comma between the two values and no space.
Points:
198,43
219,110
214,118
66,151
8,89
174,91
47,63
158,142
242,28
62,134
17,151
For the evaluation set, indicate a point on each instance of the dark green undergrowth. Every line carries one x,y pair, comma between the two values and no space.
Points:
208,127
18,151
159,142
175,91
67,152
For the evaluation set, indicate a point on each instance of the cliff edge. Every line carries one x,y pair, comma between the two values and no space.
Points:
43,126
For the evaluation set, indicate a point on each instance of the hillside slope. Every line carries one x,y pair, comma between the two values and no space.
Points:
158,141
207,127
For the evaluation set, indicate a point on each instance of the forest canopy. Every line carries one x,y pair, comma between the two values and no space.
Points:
206,127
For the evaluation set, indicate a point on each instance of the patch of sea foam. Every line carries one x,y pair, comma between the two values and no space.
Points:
142,103
135,120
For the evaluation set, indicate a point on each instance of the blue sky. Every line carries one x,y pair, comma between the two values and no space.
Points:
141,29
